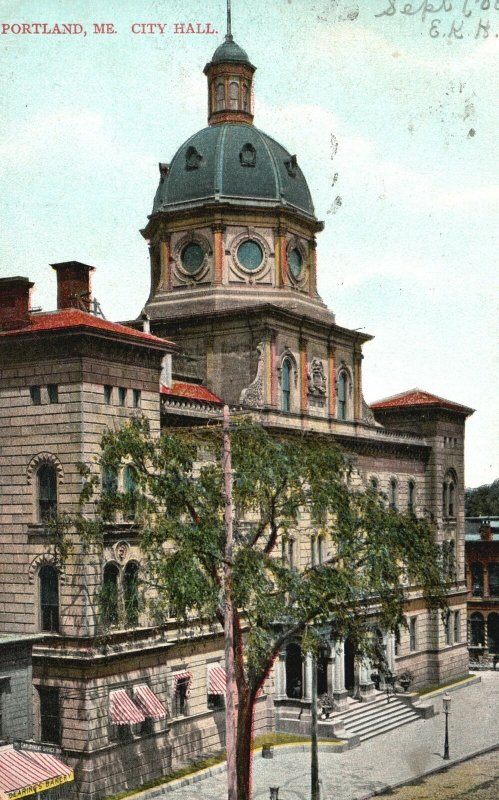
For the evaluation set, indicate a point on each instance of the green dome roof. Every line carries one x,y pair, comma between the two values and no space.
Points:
237,164
229,50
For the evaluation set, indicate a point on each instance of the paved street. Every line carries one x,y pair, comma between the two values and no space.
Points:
476,779
388,760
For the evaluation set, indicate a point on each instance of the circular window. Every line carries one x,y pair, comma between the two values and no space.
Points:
250,254
295,262
192,257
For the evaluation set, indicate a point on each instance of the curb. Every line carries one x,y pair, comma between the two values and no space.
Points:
413,781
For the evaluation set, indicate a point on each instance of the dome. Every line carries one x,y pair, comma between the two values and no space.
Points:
229,50
233,163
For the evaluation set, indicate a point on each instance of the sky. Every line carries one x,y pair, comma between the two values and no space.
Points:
391,108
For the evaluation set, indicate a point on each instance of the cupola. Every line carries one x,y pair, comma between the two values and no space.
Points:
230,82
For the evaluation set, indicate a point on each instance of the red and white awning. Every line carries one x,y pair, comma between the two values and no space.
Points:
184,677
123,710
148,702
217,679
25,772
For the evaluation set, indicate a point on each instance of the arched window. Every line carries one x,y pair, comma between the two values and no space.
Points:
393,493
286,384
477,630
220,96
373,482
410,496
131,593
342,395
49,598
47,492
477,579
451,509
109,480
449,494
494,580
234,95
109,595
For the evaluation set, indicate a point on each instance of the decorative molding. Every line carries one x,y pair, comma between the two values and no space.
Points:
44,458
39,562
121,550
316,378
254,394
181,274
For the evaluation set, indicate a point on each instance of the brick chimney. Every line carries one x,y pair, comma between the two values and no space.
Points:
486,531
15,295
73,285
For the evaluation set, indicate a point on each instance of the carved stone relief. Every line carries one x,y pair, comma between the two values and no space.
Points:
254,394
316,378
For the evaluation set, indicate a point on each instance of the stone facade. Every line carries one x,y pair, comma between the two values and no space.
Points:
482,579
232,243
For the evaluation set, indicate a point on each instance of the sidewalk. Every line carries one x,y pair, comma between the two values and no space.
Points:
388,760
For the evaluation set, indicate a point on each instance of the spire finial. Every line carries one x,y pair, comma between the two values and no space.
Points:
228,36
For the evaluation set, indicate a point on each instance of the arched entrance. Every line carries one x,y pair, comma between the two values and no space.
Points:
294,675
349,660
493,633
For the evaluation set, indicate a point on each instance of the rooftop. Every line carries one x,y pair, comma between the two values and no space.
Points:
419,397
70,319
191,391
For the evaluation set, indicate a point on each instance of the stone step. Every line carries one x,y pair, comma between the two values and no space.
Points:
366,710
359,725
378,717
378,731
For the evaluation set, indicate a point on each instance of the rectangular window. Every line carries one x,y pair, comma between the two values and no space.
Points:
136,398
50,719
121,395
413,639
53,392
36,395
457,626
180,699
108,394
216,702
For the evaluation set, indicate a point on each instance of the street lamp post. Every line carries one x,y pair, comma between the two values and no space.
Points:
446,703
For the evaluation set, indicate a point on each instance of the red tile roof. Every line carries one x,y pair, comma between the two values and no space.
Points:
192,391
416,398
72,318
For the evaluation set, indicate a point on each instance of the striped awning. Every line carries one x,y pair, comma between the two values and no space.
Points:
217,679
25,772
184,677
148,702
123,710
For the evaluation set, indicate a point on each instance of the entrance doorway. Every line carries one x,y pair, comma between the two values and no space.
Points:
322,664
294,683
349,661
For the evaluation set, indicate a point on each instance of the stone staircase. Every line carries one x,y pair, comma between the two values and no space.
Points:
365,720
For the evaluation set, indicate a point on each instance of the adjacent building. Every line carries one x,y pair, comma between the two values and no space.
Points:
233,316
482,574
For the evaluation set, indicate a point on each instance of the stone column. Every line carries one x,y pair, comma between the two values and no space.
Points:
312,283
340,694
218,253
303,377
390,651
330,671
307,674
332,379
268,362
282,266
165,281
280,675
274,398
357,384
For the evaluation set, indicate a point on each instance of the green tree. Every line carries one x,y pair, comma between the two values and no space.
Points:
280,484
482,501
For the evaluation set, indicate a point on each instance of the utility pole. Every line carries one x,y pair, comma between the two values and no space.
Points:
230,692
314,769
